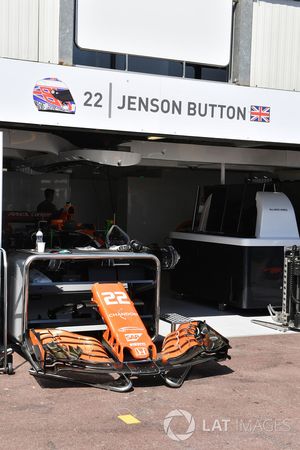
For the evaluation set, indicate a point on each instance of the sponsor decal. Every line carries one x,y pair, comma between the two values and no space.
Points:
137,344
132,337
123,315
130,329
141,351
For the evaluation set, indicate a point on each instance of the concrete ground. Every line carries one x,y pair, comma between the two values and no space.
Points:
249,402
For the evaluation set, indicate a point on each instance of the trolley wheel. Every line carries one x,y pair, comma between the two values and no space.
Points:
10,368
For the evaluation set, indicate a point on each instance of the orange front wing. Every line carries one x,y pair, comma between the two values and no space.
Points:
66,346
182,344
127,349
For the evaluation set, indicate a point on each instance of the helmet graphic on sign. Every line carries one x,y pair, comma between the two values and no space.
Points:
51,94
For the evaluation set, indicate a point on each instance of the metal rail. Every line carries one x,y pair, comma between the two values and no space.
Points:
5,349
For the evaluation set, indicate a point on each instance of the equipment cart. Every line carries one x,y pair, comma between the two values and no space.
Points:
53,289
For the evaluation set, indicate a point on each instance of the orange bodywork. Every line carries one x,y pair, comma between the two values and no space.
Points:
87,348
180,342
58,224
125,329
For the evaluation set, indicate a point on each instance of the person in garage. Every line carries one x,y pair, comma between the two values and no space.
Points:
47,206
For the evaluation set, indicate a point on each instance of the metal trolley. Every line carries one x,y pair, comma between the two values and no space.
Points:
6,358
19,268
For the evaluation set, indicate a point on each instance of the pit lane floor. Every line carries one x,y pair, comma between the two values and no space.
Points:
249,402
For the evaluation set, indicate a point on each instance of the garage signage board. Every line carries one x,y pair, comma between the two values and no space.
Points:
191,30
84,98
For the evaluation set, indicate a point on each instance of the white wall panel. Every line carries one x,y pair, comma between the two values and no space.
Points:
49,31
29,29
275,55
19,29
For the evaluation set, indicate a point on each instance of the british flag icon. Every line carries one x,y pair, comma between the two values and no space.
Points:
260,113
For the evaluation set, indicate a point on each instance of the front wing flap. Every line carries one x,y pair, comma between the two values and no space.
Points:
82,359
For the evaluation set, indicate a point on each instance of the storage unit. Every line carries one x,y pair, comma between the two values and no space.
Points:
54,289
246,273
243,270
